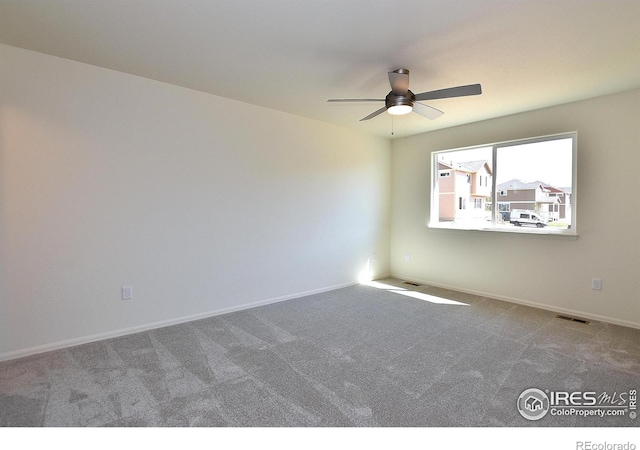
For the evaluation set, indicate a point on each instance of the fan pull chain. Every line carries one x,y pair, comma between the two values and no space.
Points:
391,124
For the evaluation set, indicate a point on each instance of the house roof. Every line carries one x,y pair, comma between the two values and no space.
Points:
467,166
474,166
293,55
445,164
517,185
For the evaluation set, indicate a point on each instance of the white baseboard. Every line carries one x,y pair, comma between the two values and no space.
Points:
547,307
164,323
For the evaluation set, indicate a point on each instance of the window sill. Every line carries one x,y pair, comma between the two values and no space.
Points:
508,229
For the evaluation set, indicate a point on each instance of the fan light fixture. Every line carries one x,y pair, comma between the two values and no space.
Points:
399,104
399,110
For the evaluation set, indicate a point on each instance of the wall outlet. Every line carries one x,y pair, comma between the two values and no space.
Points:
375,257
127,292
407,257
596,284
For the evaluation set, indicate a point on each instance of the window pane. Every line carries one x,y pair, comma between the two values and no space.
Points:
464,192
537,178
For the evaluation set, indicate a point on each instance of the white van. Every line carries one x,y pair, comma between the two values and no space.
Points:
526,217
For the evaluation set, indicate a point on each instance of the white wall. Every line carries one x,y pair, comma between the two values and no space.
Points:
201,203
551,272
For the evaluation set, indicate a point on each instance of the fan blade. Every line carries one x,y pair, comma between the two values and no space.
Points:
460,91
427,111
355,100
375,113
399,80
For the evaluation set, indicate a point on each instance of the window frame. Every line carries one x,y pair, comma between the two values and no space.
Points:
434,218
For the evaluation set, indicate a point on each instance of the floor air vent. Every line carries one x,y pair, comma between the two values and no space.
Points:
572,319
412,284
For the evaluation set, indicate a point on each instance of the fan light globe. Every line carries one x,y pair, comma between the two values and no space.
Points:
399,110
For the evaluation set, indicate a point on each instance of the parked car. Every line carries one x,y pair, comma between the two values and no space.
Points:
521,217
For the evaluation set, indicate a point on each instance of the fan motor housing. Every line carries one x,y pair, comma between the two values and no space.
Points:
394,100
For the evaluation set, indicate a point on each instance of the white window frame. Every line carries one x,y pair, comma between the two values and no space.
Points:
434,221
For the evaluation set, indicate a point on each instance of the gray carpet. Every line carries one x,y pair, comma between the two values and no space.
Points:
354,357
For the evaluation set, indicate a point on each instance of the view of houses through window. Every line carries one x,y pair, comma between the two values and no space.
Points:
521,186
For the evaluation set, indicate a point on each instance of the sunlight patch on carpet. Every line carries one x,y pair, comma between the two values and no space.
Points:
414,294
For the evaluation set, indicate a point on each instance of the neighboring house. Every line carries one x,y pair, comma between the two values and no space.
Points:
464,189
549,202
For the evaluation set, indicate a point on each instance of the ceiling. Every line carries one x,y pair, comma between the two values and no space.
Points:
293,55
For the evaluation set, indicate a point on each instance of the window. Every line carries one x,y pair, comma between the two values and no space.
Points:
534,176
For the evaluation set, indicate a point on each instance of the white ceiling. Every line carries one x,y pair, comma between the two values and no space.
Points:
292,55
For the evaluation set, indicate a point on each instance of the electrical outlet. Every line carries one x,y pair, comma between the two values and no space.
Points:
375,257
127,292
407,257
596,284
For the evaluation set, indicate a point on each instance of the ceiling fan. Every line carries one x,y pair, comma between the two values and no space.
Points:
402,101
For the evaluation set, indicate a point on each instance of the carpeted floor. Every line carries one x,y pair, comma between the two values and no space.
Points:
362,356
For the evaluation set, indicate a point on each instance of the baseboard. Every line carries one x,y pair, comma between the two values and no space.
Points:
553,308
164,323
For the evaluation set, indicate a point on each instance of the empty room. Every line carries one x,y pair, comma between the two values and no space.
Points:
319,214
